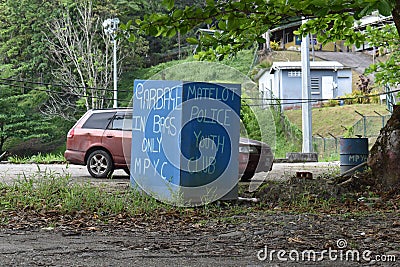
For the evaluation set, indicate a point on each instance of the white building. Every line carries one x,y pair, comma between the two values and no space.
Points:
282,82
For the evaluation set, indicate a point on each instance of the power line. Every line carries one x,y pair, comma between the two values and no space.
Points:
60,93
63,85
301,100
323,99
297,100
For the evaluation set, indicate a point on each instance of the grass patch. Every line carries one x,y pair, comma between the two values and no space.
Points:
55,192
39,159
284,146
330,157
242,62
51,200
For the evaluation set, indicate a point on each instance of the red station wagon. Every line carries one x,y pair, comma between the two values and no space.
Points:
101,140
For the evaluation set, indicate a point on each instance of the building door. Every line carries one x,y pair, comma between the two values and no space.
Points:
327,87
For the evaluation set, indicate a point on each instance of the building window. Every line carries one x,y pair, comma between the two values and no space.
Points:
294,73
289,36
315,86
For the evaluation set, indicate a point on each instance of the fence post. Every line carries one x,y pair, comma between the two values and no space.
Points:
364,122
382,117
336,142
323,140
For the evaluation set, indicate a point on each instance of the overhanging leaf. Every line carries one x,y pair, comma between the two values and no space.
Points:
169,4
192,40
385,8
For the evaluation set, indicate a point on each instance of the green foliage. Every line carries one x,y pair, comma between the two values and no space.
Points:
20,116
258,123
283,146
161,49
387,40
22,29
226,71
275,45
331,157
333,27
288,135
240,24
251,127
358,97
271,127
265,64
331,103
349,132
373,97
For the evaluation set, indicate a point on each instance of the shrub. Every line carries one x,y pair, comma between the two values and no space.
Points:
374,97
275,45
331,103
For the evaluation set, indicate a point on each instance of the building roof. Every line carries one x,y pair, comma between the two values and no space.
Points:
374,20
288,25
313,65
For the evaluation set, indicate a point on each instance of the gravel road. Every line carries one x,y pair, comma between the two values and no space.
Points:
10,172
250,240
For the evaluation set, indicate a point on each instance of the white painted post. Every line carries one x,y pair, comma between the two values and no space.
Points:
306,95
115,105
110,28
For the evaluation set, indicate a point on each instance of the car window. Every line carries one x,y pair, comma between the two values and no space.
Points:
122,122
98,120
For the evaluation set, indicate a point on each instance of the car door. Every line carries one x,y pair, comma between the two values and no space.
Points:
117,138
90,133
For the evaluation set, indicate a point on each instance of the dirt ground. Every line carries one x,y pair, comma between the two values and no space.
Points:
364,233
253,239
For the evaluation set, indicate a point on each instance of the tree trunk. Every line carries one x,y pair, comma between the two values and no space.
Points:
384,156
396,15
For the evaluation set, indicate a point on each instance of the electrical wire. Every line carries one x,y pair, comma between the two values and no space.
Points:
279,101
61,85
324,99
60,92
302,101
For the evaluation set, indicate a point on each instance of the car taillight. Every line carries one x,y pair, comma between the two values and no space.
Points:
71,133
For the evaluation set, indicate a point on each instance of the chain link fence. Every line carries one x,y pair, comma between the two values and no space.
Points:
326,147
367,126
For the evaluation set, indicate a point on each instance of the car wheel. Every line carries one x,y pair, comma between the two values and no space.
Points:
100,164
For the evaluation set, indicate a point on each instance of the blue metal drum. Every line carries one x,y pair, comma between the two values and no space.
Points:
353,152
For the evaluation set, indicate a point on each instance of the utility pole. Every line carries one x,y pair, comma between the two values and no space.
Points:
306,95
